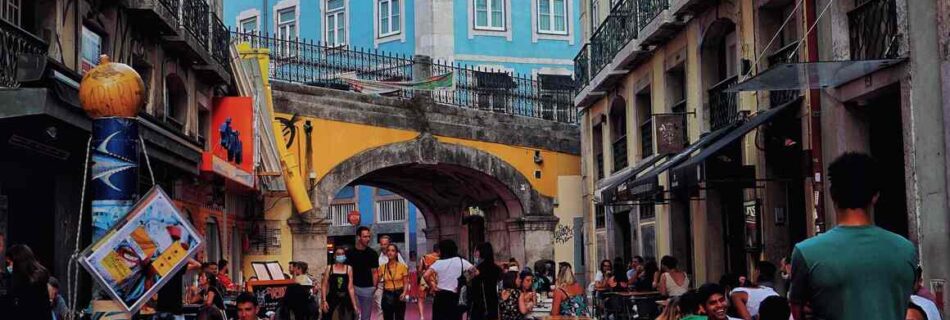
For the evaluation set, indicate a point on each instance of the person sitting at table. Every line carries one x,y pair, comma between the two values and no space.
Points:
620,277
604,278
209,297
647,277
512,307
673,282
568,294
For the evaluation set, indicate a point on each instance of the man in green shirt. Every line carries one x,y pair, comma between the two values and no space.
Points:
856,270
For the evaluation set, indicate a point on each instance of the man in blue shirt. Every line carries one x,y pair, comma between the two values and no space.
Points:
856,270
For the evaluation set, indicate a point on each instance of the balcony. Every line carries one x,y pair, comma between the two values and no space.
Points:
787,54
655,22
723,106
582,67
19,53
190,29
620,153
686,8
873,30
161,16
646,138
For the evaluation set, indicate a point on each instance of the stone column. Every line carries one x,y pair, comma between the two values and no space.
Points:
310,243
534,236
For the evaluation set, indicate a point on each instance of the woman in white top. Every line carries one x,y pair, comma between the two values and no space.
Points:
673,282
749,297
447,271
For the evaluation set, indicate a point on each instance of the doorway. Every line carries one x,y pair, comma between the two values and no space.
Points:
887,147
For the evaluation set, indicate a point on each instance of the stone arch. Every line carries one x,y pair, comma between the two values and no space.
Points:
427,172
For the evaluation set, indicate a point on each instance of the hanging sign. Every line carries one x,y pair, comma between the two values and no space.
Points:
140,253
232,140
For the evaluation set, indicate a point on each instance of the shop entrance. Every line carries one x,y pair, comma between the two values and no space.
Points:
887,147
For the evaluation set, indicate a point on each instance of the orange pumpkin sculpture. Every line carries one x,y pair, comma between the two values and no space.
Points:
111,90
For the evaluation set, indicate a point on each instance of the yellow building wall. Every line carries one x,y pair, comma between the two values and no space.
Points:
570,206
279,209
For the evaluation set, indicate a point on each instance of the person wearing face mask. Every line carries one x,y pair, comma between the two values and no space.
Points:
483,295
339,297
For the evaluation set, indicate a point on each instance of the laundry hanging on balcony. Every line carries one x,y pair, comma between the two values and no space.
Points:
437,82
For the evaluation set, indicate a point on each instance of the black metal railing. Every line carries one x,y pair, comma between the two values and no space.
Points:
16,44
194,18
220,40
582,67
173,7
318,64
873,30
618,29
620,153
723,106
599,159
787,54
646,137
648,10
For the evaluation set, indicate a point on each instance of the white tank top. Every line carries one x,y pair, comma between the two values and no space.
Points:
756,295
673,289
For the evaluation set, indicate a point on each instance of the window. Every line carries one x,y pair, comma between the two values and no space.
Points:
10,11
600,217
249,25
176,101
336,22
338,213
594,15
286,30
490,14
393,210
212,241
91,48
552,17
388,17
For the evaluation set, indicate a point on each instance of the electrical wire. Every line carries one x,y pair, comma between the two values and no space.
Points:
72,272
774,37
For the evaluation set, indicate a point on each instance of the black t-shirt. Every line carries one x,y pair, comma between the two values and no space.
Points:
363,263
170,296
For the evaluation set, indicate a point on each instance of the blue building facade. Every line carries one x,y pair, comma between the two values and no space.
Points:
528,37
384,212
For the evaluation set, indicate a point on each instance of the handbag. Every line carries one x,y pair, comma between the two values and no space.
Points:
461,288
390,297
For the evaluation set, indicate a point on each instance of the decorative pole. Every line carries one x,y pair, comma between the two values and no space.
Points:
112,95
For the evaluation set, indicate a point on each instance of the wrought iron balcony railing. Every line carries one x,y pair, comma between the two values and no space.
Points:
582,67
194,18
173,7
873,30
620,153
787,54
723,106
220,40
646,137
16,45
613,34
647,10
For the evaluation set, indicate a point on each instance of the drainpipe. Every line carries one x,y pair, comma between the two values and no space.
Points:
813,96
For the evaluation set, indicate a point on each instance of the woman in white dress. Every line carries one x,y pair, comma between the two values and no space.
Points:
673,282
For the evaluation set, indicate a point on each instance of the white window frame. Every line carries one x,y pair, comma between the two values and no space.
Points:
394,18
96,39
379,212
244,21
550,13
11,11
282,26
488,19
338,15
339,217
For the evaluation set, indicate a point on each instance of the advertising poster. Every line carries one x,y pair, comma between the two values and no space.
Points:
136,257
232,140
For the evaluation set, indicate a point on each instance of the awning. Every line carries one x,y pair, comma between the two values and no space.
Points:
649,184
607,188
682,173
812,75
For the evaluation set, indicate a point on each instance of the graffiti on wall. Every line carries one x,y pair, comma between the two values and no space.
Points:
563,233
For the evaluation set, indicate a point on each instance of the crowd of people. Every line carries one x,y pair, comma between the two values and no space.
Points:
836,275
